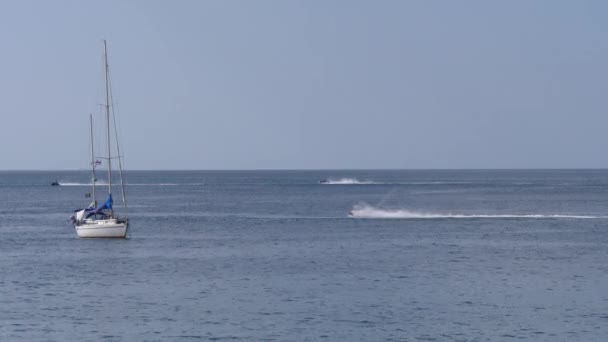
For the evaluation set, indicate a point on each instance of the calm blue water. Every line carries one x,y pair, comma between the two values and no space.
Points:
274,256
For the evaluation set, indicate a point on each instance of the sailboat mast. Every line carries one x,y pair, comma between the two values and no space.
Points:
105,54
93,161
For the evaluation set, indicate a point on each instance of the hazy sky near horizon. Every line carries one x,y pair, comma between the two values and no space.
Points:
308,84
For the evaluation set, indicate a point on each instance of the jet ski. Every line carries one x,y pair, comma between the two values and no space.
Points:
324,181
55,183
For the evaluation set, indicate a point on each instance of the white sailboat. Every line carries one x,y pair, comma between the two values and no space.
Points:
101,221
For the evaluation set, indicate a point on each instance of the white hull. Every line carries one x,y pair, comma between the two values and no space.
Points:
101,229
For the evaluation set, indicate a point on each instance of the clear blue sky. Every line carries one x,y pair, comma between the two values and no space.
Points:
309,84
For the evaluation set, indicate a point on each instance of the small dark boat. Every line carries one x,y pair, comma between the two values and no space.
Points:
55,183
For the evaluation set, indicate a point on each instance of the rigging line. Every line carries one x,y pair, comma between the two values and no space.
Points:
122,183
115,109
105,53
93,161
385,197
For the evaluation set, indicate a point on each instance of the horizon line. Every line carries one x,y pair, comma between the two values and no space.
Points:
328,169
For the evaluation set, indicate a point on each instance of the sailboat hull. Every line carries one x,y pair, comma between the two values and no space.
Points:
102,229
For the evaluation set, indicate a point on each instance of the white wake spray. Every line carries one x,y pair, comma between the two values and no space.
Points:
103,183
355,181
370,212
81,184
345,181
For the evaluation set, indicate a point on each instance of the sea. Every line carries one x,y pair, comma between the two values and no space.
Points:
329,255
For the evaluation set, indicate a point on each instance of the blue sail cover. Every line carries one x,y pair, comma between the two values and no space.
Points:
106,205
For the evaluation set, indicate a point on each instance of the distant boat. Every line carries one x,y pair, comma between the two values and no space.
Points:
55,183
101,221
